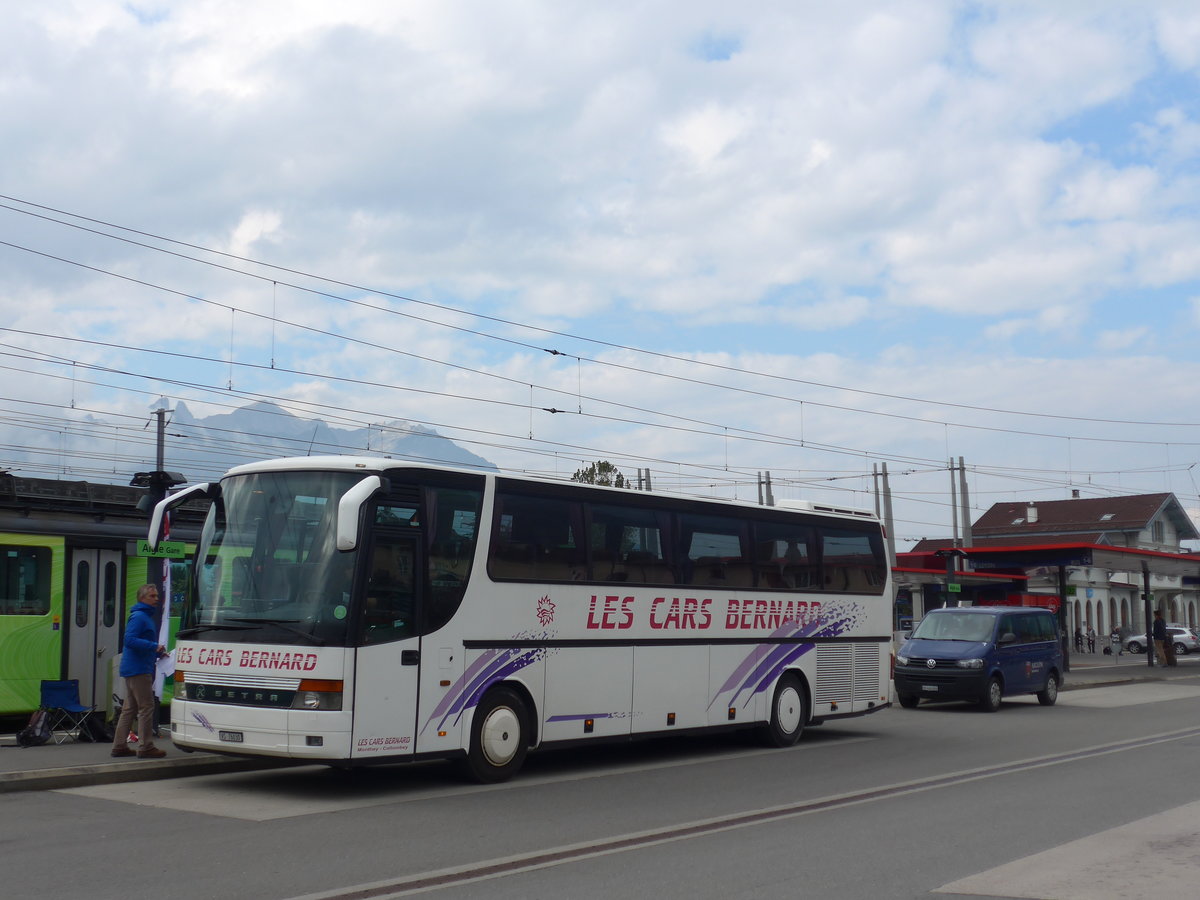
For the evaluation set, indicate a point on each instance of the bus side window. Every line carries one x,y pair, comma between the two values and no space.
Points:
537,539
784,557
388,613
852,560
714,553
454,526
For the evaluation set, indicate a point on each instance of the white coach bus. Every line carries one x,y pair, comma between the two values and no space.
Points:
352,610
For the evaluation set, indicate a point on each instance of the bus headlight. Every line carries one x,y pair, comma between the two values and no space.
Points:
318,694
970,663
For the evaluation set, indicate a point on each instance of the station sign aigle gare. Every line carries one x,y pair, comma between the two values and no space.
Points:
167,549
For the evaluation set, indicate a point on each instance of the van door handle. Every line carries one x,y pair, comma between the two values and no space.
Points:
410,657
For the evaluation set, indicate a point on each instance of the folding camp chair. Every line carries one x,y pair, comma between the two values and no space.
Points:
67,715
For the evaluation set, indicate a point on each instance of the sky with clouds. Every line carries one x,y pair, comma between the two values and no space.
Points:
720,239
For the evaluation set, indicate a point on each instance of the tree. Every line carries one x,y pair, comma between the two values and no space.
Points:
603,473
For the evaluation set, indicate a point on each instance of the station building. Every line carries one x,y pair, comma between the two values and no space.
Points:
1095,557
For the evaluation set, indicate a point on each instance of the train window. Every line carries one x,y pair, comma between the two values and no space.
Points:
24,581
110,594
83,579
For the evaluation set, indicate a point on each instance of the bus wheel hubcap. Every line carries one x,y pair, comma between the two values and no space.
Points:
500,736
787,710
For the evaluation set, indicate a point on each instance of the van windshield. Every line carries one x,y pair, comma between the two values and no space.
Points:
949,627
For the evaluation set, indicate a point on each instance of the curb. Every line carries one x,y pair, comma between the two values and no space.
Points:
132,770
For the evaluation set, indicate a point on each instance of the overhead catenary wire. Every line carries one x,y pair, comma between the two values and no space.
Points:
625,348
527,326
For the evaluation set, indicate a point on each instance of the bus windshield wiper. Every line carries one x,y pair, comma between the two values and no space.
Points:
213,626
285,625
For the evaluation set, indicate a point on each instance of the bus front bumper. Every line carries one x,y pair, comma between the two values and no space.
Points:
254,731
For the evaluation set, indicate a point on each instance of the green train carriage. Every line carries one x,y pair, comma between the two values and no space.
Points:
69,573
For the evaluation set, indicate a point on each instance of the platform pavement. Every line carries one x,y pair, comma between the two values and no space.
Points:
74,764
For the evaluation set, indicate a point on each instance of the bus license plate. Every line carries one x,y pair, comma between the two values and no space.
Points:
233,737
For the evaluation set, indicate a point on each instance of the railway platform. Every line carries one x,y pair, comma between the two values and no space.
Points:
74,764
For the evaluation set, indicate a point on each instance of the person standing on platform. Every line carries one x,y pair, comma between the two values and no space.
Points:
141,652
1159,633
1091,639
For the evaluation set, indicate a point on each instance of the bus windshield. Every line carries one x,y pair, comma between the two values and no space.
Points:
268,568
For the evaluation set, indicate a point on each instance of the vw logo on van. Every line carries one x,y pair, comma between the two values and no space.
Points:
931,663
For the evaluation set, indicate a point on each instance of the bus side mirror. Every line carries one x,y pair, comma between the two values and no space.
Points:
210,492
350,509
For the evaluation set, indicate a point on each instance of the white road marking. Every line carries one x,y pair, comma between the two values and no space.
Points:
262,796
1125,863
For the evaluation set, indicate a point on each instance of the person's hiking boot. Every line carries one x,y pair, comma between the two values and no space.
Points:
122,751
151,753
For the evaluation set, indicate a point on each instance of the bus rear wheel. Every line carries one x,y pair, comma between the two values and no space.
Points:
788,713
499,737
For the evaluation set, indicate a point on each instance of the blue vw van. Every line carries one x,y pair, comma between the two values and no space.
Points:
981,654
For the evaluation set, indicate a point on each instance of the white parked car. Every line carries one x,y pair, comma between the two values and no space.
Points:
1183,639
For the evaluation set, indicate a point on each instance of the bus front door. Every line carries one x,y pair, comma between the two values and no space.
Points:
388,659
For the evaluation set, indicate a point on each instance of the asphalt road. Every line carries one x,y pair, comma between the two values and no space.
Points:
1097,797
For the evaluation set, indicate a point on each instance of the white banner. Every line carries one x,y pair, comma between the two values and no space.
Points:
166,665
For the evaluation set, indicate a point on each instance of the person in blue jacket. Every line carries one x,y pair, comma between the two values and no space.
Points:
141,652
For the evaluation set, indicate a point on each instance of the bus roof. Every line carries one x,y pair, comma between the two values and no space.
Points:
379,464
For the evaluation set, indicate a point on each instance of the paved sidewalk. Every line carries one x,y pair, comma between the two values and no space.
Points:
72,764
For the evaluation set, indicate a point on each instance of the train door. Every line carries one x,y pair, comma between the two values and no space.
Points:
94,620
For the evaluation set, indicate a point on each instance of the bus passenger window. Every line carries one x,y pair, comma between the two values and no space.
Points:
713,553
784,557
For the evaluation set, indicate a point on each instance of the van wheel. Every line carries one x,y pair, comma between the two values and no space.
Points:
499,739
788,713
908,701
992,695
1047,695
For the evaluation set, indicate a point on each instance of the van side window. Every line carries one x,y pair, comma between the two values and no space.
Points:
1007,624
1028,630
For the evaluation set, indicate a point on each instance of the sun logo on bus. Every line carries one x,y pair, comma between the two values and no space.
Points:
545,611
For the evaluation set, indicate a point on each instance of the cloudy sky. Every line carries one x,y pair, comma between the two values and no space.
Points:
722,239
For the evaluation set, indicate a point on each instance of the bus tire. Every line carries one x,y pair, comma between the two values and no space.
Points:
788,713
499,737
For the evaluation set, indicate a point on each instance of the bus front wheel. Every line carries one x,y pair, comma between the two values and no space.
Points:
499,738
788,713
